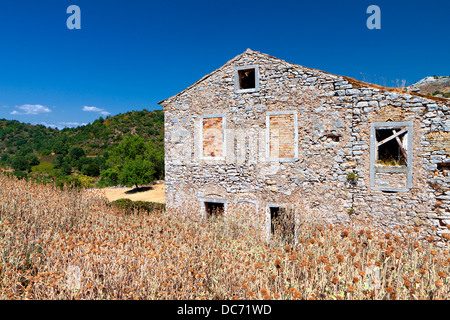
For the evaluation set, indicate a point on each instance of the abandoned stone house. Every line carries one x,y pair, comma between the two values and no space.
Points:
267,133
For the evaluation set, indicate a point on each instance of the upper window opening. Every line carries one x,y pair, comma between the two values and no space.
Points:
247,79
391,146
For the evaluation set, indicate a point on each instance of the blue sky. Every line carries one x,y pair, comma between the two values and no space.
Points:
129,55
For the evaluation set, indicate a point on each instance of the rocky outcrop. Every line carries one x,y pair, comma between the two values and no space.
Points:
433,85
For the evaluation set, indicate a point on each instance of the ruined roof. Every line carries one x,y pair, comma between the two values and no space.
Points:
356,83
361,84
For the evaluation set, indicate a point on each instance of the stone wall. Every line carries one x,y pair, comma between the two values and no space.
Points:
416,206
333,117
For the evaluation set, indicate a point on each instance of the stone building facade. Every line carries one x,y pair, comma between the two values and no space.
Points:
266,133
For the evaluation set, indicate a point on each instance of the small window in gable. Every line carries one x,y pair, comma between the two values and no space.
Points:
213,139
246,79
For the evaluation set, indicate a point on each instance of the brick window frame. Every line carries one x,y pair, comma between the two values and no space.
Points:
408,125
202,157
268,156
237,88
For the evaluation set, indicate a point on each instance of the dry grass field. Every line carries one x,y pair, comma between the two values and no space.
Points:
71,244
154,193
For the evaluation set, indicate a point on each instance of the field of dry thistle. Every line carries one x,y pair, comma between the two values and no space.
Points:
73,245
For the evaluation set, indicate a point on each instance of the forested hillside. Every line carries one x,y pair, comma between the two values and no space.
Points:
78,154
95,138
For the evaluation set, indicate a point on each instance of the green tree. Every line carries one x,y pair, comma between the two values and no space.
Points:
19,163
66,169
137,172
58,161
128,149
4,159
134,160
156,156
32,159
60,147
109,177
24,151
92,169
76,153
20,174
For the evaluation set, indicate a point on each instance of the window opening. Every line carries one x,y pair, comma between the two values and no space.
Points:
334,137
282,223
274,218
391,149
444,166
214,209
391,146
247,79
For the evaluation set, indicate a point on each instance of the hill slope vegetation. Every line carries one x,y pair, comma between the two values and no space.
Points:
80,153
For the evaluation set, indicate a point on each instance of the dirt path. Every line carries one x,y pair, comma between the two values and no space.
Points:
155,193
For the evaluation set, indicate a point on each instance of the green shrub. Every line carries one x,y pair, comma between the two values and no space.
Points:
148,206
20,174
19,163
130,207
92,169
125,205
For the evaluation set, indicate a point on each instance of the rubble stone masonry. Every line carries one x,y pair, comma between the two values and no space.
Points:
315,151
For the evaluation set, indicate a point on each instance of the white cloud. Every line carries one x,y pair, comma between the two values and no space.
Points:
30,109
103,112
71,124
60,125
46,124
91,109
